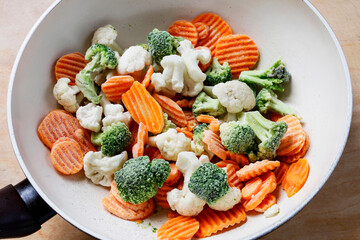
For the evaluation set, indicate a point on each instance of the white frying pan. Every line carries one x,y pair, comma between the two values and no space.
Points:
320,90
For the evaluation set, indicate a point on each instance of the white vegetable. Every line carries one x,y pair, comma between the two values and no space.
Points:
228,201
65,95
183,201
113,113
272,211
100,169
171,143
89,116
106,35
236,96
134,59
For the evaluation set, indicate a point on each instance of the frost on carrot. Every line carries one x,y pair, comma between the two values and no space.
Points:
116,86
185,29
178,228
69,65
175,113
295,177
256,169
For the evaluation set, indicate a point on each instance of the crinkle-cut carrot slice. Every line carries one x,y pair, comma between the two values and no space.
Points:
280,172
69,65
116,86
295,177
213,143
67,156
185,29
239,51
135,207
294,136
144,108
240,159
233,180
268,201
178,228
174,176
217,28
297,156
147,79
139,146
212,221
153,152
224,163
64,139
120,210
202,29
172,214
251,187
190,120
268,185
185,131
175,113
161,196
214,122
59,123
183,103
256,169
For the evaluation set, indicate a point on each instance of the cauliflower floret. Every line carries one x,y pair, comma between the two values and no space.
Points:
113,113
100,169
171,143
228,201
89,116
66,95
272,211
171,80
134,59
184,201
106,35
236,96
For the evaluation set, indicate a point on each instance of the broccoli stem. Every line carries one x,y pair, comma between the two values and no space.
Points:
260,125
279,106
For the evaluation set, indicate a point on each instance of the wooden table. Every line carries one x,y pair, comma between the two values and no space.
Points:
334,213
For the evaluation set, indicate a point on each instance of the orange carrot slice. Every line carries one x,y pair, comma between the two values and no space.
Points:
251,187
144,108
202,30
174,176
280,172
153,152
295,177
175,113
178,228
161,196
268,185
217,28
67,156
297,156
183,103
213,143
256,169
185,131
268,201
147,79
139,146
172,214
214,122
116,86
137,75
118,209
185,29
239,51
59,123
69,65
224,163
240,159
212,221
190,120
233,180
294,136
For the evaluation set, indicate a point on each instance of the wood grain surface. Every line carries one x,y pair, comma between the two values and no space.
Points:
334,213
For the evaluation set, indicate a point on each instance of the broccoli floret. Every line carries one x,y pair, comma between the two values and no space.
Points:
144,46
139,179
217,73
204,104
267,100
269,133
198,135
167,123
100,57
115,139
238,137
271,78
161,44
209,182
96,138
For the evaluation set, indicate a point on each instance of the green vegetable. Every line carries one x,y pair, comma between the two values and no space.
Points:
198,135
209,182
144,46
96,138
161,44
167,123
115,139
267,100
217,73
100,57
139,179
271,78
204,104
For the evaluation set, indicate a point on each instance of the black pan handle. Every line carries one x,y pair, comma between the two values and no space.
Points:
22,210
